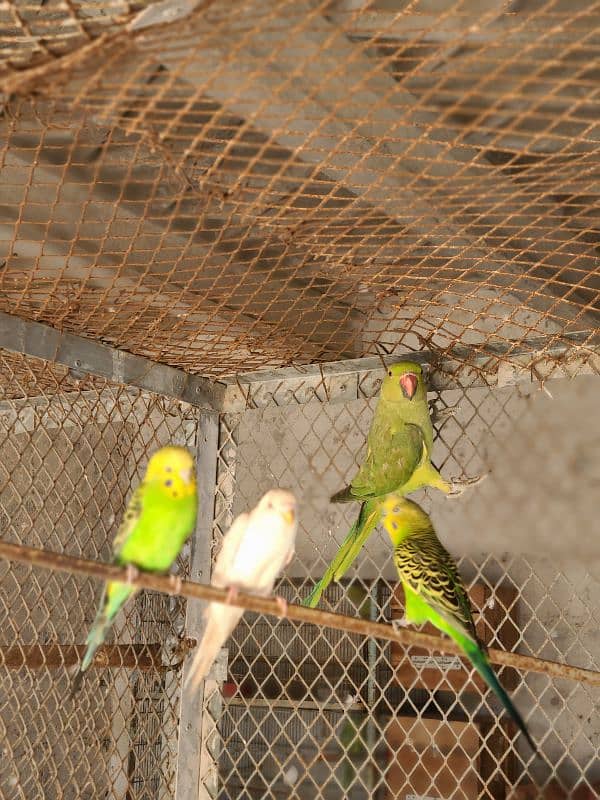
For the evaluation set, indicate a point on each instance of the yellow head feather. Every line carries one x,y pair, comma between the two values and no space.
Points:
173,469
402,517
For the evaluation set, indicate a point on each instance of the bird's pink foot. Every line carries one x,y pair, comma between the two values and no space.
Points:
133,573
399,623
232,594
176,584
282,605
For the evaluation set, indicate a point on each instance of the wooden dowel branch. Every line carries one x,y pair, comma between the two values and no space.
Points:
53,656
174,586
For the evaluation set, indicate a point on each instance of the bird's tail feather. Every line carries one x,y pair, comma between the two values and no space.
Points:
114,596
484,668
220,622
368,517
94,640
358,534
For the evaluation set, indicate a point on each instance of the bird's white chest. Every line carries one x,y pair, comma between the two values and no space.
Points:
258,561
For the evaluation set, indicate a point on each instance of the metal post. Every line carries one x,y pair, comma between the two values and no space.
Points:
190,727
373,656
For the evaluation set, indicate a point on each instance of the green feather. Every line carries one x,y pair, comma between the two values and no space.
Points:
399,446
434,591
114,597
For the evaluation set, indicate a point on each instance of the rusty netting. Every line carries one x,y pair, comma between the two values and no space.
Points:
296,710
227,186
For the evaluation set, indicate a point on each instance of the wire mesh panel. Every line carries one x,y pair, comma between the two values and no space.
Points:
232,186
309,712
278,184
70,451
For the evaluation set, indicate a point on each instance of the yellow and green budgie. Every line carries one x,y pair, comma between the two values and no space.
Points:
398,459
433,590
160,517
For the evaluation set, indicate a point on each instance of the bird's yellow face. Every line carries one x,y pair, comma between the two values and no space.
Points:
401,516
173,469
393,505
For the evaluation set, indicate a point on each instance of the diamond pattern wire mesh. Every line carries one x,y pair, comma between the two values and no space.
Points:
227,187
69,455
280,724
299,711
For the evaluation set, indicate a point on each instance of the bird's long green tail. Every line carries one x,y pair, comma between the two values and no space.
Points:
358,534
479,660
115,595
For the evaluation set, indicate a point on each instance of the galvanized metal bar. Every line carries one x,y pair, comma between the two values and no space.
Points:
493,365
502,364
86,356
188,768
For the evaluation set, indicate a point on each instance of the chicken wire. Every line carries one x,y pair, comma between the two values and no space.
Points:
274,721
272,717
232,187
226,187
70,451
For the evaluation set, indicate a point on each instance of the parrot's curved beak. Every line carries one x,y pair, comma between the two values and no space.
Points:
408,384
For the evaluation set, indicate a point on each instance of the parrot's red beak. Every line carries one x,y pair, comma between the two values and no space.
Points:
408,383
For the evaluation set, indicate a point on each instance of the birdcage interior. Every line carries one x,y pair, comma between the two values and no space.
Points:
219,223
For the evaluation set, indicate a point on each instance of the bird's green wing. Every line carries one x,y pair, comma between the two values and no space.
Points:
390,461
131,517
427,568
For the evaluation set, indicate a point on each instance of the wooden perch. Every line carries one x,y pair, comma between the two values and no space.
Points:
54,656
172,585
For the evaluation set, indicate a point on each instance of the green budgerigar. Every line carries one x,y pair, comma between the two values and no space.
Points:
159,518
433,589
398,459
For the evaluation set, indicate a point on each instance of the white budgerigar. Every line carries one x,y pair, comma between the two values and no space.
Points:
254,551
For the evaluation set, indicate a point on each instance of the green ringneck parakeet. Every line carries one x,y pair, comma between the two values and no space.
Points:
254,551
399,446
433,590
160,516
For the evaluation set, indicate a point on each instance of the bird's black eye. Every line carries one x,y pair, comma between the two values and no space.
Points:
390,373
